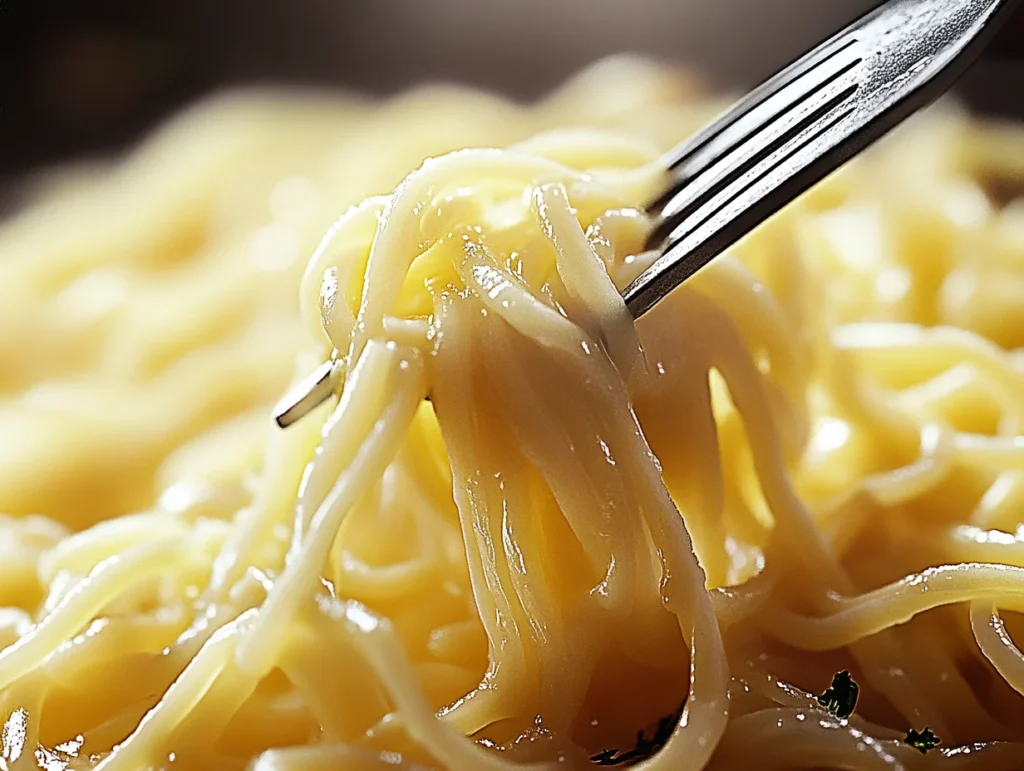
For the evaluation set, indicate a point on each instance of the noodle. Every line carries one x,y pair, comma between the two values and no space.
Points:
527,532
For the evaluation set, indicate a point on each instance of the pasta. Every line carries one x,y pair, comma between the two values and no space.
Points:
527,528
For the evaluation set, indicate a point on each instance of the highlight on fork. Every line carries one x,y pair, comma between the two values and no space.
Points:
777,522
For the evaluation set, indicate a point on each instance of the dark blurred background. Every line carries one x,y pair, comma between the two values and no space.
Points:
81,76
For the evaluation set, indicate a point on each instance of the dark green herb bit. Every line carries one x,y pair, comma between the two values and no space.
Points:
645,748
841,698
923,741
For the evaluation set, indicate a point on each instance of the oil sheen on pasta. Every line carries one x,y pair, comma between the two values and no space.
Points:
808,459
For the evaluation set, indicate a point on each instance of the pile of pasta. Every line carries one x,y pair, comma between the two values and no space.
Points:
526,532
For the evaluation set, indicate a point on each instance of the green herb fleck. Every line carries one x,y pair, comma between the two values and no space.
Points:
841,698
645,747
923,741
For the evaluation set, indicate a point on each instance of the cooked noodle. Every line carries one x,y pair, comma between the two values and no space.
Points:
526,529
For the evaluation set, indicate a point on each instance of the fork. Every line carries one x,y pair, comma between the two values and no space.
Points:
781,139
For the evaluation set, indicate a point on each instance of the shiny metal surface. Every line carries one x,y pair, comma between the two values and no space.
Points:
312,391
784,137
803,124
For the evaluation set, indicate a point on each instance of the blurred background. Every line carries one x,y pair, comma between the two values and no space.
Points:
86,76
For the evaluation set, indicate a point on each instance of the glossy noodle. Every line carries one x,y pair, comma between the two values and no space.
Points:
527,533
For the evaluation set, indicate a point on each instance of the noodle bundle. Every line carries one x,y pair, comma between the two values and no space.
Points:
527,532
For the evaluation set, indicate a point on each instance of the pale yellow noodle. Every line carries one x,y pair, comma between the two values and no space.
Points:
524,528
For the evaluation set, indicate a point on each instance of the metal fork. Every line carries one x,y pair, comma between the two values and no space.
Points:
803,124
782,138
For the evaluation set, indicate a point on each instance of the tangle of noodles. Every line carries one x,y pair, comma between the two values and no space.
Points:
526,529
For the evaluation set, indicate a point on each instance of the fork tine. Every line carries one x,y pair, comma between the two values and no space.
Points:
743,205
692,158
726,200
308,394
732,125
805,123
803,101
